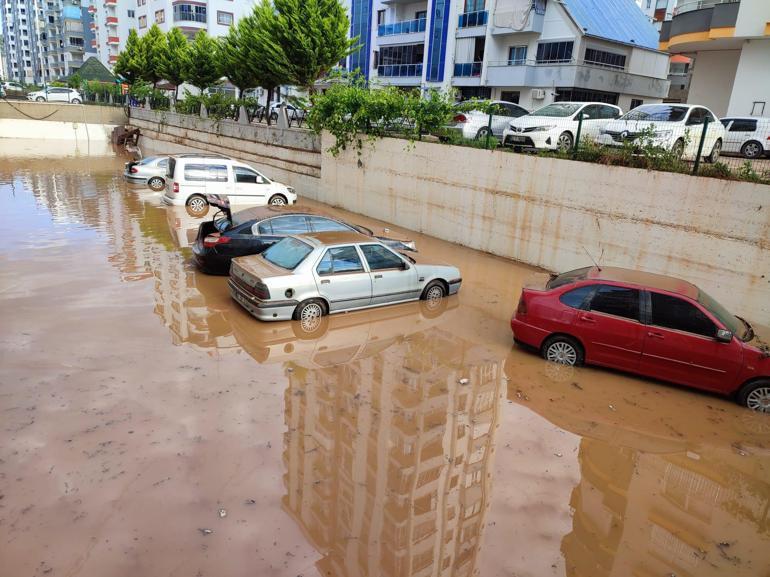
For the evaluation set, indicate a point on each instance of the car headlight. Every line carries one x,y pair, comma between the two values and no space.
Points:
540,128
663,134
290,190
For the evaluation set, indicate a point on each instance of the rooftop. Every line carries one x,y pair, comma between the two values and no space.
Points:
617,20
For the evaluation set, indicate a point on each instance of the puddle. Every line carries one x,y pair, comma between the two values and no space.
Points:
138,402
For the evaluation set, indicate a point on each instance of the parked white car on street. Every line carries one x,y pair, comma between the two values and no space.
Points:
56,94
674,127
748,136
555,126
475,123
191,179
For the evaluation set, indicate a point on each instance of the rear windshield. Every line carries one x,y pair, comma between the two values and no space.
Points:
559,110
568,278
287,253
658,113
148,160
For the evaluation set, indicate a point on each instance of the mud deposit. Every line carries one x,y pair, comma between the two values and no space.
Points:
149,427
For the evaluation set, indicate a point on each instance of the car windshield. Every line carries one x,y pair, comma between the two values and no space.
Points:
287,253
557,109
568,278
730,321
659,113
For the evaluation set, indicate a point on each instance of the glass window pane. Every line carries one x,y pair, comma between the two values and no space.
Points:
675,313
617,301
245,175
321,224
380,258
295,224
325,266
576,298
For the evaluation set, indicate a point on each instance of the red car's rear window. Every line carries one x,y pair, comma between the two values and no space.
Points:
568,278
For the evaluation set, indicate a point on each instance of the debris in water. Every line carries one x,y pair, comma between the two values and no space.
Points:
577,386
290,369
612,407
463,381
249,502
741,451
205,531
222,513
558,454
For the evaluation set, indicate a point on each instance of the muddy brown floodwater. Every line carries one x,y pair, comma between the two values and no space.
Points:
149,427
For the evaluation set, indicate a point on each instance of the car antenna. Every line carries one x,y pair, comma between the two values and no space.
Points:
596,264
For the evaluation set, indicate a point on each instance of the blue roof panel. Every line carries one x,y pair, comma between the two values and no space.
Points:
618,20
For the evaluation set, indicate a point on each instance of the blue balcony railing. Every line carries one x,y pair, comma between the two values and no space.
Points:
400,70
468,69
403,27
471,19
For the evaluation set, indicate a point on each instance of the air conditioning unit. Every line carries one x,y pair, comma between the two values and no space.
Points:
538,93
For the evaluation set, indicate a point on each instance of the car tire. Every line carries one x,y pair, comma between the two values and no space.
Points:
75,101
678,149
310,315
564,350
752,149
278,200
755,395
40,99
715,152
482,133
156,183
434,292
197,205
565,141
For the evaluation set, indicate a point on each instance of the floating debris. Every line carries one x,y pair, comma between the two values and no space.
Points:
250,502
463,381
222,513
205,531
612,407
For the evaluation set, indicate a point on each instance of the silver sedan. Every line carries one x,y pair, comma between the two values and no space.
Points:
306,277
150,171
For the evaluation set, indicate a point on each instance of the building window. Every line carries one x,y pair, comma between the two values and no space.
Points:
474,6
635,102
554,52
607,59
517,55
143,22
582,95
131,13
360,25
224,18
75,41
160,16
437,39
380,17
189,13
510,96
401,60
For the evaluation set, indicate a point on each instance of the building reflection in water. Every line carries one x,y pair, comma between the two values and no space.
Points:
388,454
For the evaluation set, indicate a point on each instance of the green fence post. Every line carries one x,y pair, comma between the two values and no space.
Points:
489,128
700,145
577,136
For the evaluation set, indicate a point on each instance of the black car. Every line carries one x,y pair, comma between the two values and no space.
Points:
252,230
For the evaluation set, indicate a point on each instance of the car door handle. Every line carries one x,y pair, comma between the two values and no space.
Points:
587,319
326,281
378,276
654,335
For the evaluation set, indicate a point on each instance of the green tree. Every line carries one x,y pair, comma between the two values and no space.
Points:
310,38
175,58
235,56
153,47
75,81
202,65
130,62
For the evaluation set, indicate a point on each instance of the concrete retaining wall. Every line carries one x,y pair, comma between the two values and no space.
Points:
549,212
61,112
291,156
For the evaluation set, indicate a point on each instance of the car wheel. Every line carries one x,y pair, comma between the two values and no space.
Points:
309,313
278,200
563,350
482,133
755,396
678,149
433,293
75,101
752,149
40,99
156,183
197,205
565,141
715,152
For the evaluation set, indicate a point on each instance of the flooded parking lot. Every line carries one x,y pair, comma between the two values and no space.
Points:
151,427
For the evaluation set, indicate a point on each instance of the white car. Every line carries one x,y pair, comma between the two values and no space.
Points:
674,127
56,94
748,136
474,124
191,179
555,126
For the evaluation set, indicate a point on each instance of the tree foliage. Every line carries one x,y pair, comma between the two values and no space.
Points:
236,57
174,59
131,62
153,48
202,66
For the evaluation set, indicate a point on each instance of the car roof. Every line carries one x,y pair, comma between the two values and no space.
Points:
332,238
643,279
259,213
202,155
764,118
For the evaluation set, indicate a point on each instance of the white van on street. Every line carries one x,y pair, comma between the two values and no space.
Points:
192,178
748,136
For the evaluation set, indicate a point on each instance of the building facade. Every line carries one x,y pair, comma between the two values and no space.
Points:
525,51
729,41
657,11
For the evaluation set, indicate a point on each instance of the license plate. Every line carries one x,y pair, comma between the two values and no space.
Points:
519,138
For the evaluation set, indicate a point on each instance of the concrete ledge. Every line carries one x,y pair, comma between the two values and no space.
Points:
62,112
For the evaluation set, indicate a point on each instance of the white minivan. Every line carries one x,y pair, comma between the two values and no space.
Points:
748,136
192,179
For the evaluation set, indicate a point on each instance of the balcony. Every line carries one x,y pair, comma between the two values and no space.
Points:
111,20
92,9
113,58
690,5
183,16
93,43
509,22
110,2
400,70
467,69
113,40
702,24
403,27
473,19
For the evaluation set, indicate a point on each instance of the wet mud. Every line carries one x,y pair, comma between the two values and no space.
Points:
149,426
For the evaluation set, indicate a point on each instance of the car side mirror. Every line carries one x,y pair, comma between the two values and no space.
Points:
724,336
404,265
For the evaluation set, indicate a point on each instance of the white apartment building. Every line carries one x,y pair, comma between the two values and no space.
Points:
527,51
730,43
657,11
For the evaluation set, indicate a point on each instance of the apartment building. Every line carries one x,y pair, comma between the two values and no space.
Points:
528,51
729,41
657,11
44,40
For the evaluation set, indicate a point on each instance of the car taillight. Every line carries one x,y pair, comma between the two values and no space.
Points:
176,187
213,240
261,291
134,170
521,310
460,118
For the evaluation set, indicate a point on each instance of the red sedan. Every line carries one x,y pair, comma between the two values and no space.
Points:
653,325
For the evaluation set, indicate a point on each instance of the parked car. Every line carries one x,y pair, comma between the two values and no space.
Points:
150,171
674,127
307,277
291,110
653,325
475,123
192,178
55,94
253,230
12,90
555,126
748,136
